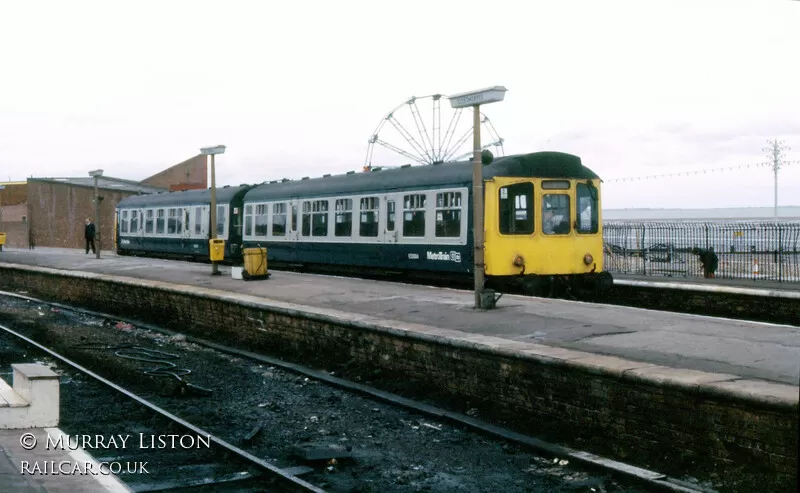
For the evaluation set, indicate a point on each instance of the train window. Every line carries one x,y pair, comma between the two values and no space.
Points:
248,220
278,219
294,217
516,209
261,220
555,185
221,220
390,214
198,214
123,222
178,222
368,226
148,222
448,214
315,218
414,215
587,211
134,222
160,222
555,214
172,221
344,217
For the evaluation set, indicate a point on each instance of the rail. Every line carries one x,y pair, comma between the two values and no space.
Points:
766,250
283,478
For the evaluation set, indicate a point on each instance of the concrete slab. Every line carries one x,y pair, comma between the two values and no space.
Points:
680,376
768,392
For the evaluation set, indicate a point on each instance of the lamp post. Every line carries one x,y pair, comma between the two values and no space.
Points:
476,99
213,151
2,187
96,174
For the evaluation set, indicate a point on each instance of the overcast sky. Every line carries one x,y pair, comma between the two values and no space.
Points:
297,88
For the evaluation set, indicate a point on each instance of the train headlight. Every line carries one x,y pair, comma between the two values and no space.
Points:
588,259
519,261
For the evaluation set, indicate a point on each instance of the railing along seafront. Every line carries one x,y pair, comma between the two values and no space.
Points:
765,250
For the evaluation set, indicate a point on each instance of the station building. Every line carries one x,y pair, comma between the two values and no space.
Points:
51,212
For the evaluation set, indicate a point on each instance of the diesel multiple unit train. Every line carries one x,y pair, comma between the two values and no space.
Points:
543,227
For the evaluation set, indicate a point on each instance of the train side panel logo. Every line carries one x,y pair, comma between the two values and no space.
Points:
452,256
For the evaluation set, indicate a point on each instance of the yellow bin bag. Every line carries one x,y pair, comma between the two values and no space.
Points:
255,261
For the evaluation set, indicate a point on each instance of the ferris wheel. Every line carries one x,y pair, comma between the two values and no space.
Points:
409,138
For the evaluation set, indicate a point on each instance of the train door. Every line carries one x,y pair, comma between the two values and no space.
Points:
186,228
235,232
509,219
223,222
293,234
389,221
137,227
200,231
293,230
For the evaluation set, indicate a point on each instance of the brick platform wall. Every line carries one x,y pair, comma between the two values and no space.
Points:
775,310
628,418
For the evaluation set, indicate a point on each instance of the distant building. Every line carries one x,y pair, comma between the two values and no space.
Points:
51,211
14,211
191,174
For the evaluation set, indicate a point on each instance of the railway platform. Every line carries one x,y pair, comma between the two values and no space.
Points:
747,350
35,455
50,471
716,284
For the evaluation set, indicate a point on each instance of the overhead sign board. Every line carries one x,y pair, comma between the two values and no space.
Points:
481,96
213,150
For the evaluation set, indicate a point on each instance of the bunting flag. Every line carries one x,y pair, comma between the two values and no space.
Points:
698,172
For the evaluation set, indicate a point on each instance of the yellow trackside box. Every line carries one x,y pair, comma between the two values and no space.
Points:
216,250
2,240
255,262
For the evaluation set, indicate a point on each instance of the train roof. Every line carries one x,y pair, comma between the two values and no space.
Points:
537,164
189,197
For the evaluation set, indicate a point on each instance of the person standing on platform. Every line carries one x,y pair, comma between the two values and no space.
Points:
88,234
709,261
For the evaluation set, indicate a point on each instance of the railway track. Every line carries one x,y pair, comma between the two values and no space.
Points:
174,454
212,469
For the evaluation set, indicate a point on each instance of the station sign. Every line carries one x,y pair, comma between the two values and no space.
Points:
481,96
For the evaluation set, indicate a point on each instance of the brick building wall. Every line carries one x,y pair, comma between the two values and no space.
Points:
191,174
16,234
13,213
14,193
57,213
685,427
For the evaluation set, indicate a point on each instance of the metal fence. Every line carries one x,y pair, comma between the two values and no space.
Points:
746,250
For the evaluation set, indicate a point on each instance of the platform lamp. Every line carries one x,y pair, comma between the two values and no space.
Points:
213,151
476,99
2,187
96,174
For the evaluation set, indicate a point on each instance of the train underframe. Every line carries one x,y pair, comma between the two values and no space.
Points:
589,287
